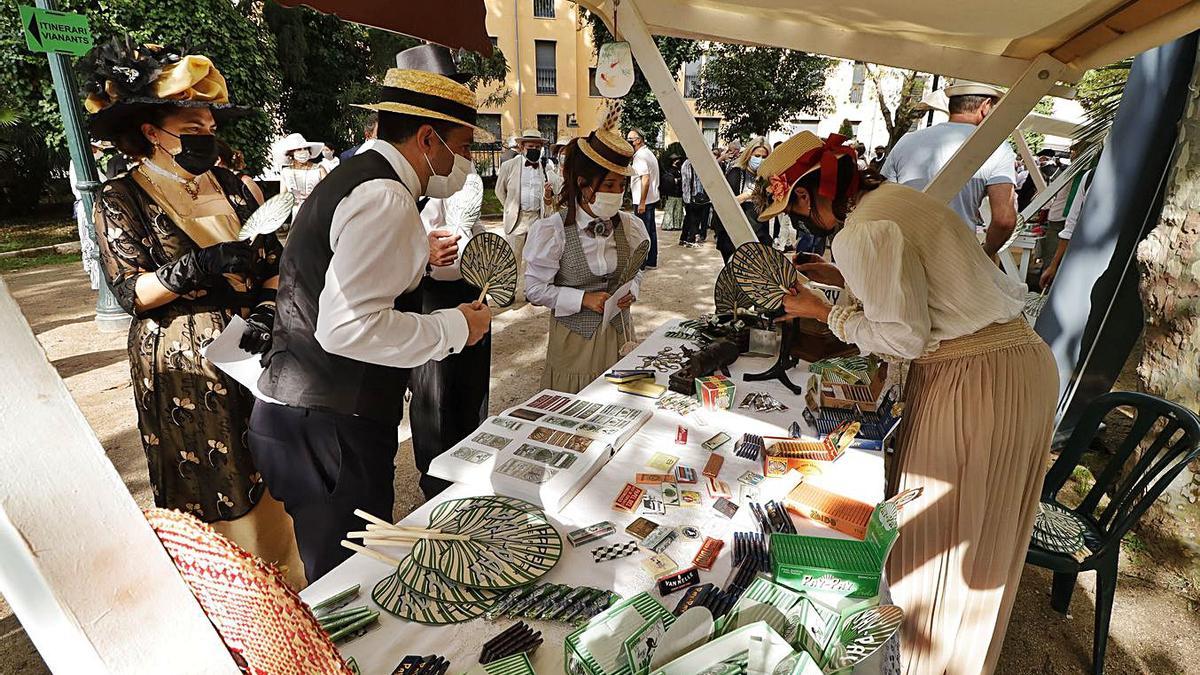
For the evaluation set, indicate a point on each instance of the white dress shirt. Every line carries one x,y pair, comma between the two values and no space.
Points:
544,251
380,252
920,279
533,187
459,213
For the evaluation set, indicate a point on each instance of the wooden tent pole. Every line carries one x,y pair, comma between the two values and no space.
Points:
84,572
632,28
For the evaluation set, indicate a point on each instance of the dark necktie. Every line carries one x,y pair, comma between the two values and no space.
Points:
532,165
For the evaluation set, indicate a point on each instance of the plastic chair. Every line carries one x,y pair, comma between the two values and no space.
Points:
1130,493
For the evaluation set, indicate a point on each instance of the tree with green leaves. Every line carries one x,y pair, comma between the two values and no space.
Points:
641,109
899,119
762,89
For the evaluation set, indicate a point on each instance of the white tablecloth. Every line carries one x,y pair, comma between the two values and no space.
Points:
857,474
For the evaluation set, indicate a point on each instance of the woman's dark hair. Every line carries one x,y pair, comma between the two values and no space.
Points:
129,138
231,158
868,179
576,166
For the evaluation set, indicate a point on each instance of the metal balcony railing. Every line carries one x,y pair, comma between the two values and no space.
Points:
547,81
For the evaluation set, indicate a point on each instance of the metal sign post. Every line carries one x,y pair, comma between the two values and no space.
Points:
57,34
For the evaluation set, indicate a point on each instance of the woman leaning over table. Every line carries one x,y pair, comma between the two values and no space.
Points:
979,400
577,258
167,232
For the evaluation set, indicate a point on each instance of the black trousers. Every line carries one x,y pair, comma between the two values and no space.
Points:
323,466
695,222
449,397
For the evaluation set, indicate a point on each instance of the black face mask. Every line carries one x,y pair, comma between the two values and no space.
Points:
533,154
197,154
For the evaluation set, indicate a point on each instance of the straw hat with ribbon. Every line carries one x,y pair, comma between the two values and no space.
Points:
121,78
607,146
797,157
428,87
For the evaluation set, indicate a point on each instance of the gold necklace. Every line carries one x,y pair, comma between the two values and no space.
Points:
191,187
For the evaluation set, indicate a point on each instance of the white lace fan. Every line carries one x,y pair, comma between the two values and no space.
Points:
269,217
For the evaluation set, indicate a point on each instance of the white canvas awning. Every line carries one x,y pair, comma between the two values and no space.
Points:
1028,46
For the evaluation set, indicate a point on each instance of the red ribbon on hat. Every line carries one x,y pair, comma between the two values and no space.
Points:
827,156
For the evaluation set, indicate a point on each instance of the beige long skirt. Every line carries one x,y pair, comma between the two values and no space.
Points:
267,532
978,420
573,361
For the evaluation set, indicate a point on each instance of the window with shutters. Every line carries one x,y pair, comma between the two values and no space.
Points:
547,70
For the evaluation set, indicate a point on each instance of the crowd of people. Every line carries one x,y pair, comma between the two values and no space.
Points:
365,303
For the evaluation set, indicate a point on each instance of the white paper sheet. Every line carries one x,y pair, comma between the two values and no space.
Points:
236,362
610,306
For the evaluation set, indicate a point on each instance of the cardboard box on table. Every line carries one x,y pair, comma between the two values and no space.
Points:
715,392
849,568
781,455
620,640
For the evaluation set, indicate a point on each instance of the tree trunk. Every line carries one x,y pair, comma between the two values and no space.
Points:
1169,261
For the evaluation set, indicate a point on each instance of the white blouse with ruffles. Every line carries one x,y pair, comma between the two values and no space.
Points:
919,276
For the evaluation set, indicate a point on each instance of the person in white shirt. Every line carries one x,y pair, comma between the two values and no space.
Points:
579,259
979,400
918,156
1077,199
526,186
643,189
349,327
329,160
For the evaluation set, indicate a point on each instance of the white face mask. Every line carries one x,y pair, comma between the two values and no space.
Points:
302,155
606,204
441,187
327,153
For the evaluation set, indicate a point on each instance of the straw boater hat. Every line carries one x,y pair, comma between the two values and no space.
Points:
531,135
797,157
121,79
965,88
607,146
428,86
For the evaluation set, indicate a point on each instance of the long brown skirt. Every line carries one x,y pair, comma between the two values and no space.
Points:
979,415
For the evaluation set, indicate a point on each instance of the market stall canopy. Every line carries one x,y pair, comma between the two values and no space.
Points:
453,23
981,40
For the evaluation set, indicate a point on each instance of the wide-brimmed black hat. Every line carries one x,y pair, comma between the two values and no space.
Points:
122,80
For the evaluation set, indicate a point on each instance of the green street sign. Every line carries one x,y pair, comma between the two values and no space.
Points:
58,32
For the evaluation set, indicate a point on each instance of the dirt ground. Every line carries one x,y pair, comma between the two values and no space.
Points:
1153,627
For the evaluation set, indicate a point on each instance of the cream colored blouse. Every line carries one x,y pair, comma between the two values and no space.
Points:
918,275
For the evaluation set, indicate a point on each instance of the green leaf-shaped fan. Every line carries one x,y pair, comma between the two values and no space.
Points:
488,264
269,217
764,274
727,296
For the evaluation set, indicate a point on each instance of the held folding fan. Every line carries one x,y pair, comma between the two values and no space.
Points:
764,274
488,264
269,217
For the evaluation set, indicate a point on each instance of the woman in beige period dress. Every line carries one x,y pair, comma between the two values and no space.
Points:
979,399
167,232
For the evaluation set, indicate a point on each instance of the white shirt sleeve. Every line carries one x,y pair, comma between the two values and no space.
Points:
375,260
889,280
1000,167
635,233
889,169
1073,217
543,256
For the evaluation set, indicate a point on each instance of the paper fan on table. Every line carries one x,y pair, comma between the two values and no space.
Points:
862,635
727,295
763,274
488,264
269,217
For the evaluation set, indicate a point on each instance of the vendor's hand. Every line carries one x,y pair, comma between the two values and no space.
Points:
479,320
626,300
443,247
1047,277
803,303
641,209
594,300
822,273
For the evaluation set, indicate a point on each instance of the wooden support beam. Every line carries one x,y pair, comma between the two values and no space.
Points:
81,567
1025,93
1030,163
631,28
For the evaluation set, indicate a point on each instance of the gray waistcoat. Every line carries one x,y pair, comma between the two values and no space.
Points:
573,271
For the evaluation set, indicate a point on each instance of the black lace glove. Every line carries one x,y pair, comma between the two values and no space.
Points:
203,267
257,337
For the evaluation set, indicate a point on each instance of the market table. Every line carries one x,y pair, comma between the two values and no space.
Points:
858,474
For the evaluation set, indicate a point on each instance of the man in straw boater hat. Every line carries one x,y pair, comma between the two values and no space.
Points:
526,186
979,400
350,327
918,156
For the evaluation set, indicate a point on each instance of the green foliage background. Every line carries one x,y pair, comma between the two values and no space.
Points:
761,89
